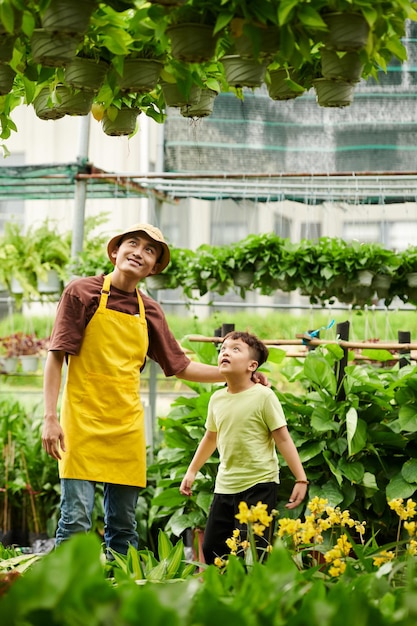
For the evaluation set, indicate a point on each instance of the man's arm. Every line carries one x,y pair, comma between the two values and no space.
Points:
204,451
52,433
202,373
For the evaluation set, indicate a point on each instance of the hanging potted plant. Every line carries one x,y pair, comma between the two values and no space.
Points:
180,84
210,77
190,31
68,16
284,82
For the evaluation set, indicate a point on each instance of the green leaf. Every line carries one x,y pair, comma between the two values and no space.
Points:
164,545
354,471
409,471
399,488
407,418
320,373
222,21
323,421
359,439
351,424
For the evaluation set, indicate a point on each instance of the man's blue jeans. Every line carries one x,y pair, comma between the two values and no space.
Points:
77,504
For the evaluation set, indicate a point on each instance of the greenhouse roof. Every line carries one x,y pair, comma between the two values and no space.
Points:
58,181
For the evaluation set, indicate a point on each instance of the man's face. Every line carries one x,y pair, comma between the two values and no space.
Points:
137,254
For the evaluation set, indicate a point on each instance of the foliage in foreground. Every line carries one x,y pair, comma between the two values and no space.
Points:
71,587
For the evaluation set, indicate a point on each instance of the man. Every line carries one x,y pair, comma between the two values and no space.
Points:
105,327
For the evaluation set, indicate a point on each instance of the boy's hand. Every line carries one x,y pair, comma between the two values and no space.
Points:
297,496
187,481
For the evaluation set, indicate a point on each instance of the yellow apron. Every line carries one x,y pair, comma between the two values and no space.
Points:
102,414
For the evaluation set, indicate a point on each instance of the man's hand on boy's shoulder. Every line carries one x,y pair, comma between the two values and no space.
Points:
260,377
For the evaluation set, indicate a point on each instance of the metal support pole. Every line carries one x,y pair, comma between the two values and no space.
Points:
80,190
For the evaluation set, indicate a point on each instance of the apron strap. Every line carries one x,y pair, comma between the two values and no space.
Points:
105,292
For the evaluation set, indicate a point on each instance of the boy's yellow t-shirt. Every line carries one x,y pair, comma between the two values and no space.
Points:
243,423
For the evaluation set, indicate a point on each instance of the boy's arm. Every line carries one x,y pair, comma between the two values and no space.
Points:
204,451
52,433
287,448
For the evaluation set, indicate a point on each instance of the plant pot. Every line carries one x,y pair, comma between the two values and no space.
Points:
256,41
140,75
86,74
29,362
243,279
69,103
412,279
382,283
333,93
365,278
347,67
159,281
8,365
6,46
243,72
52,284
68,16
174,97
278,87
7,75
192,43
124,124
204,106
347,31
53,49
42,107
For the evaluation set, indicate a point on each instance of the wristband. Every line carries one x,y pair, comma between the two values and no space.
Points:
304,482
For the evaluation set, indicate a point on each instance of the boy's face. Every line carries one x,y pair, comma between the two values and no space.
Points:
138,255
235,357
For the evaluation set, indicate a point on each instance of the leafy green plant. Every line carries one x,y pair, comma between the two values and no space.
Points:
143,565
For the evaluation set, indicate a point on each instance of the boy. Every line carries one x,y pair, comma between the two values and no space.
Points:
245,421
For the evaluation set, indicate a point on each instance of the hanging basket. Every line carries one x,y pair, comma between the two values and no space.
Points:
174,97
140,75
43,107
192,43
332,93
6,46
159,281
382,283
243,72
257,41
278,87
68,16
53,49
29,363
204,106
347,66
86,74
123,124
347,31
7,75
243,278
51,284
73,103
